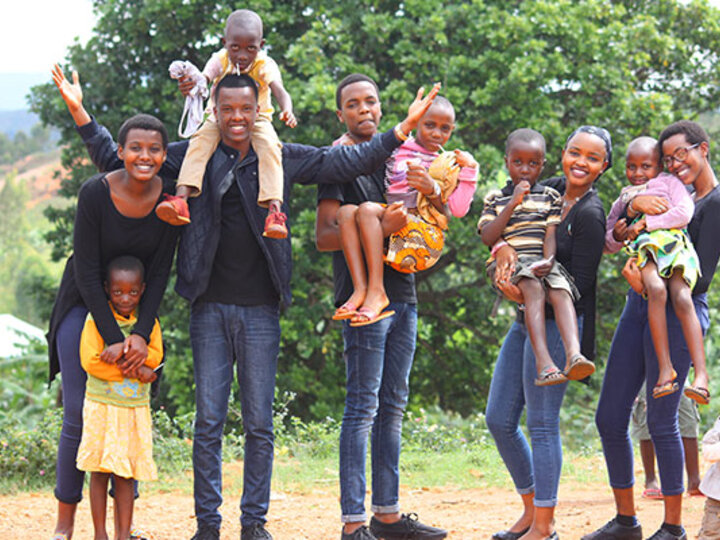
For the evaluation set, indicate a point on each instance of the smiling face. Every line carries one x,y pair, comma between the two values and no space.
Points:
525,161
243,42
435,127
124,289
584,159
236,110
642,163
143,153
360,110
689,169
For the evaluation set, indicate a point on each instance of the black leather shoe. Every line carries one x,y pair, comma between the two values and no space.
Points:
663,534
408,528
612,530
509,535
206,532
255,532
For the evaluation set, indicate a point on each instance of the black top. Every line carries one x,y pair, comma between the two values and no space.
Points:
201,237
704,229
101,234
580,239
399,287
240,273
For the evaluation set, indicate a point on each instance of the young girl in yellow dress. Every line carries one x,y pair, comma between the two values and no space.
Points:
117,429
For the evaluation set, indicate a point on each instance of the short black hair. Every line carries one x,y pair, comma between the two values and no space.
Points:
142,121
352,79
236,81
525,135
694,133
244,18
127,263
441,101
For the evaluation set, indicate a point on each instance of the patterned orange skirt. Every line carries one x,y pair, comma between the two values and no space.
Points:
415,247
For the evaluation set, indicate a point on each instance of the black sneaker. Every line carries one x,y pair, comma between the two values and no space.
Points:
663,534
255,532
408,528
612,530
206,532
363,533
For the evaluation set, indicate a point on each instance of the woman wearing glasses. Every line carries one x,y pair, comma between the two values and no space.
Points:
684,148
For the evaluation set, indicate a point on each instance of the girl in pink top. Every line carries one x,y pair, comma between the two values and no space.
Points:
417,245
667,260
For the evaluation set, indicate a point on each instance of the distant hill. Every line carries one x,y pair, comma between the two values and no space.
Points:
14,121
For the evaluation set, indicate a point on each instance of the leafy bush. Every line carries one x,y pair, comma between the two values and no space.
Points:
27,455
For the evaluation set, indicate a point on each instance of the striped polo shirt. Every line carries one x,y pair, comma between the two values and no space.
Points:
525,231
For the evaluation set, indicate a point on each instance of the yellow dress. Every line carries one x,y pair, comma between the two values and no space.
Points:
117,427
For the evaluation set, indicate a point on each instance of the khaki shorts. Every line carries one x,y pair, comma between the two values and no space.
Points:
710,526
688,418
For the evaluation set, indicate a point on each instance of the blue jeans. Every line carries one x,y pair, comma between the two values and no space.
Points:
249,337
378,358
511,390
631,362
69,479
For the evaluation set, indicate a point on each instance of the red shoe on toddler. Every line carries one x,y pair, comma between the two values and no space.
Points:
173,210
275,223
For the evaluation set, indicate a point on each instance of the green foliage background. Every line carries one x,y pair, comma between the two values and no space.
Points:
632,66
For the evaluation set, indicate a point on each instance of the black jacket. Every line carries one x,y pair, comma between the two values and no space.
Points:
199,240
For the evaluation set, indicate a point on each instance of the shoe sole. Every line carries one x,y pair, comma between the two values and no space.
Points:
170,216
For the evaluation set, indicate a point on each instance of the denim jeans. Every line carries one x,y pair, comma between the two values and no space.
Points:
632,361
378,358
69,479
511,390
249,337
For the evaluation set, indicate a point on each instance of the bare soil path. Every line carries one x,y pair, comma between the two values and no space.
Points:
468,514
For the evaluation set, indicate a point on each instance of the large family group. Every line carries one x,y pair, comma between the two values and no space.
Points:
384,202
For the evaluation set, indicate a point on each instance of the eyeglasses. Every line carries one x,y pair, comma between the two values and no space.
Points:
679,155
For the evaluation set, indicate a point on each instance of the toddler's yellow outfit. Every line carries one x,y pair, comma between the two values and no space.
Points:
117,428
265,142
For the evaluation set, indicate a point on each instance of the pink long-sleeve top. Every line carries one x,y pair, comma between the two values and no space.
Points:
397,188
681,208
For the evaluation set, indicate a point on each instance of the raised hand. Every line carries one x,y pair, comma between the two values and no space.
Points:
418,107
72,94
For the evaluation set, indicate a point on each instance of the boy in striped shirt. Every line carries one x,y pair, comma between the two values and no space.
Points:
525,215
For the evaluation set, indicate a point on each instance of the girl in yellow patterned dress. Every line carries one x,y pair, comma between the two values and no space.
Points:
117,430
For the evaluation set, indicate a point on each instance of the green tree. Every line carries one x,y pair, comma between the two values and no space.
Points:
633,66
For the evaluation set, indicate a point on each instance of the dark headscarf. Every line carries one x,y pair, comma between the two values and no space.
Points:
598,132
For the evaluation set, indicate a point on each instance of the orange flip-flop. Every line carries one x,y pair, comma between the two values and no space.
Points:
699,394
347,311
666,388
371,316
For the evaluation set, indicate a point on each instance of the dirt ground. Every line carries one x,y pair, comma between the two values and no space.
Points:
468,514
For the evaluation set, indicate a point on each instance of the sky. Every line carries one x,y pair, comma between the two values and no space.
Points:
31,48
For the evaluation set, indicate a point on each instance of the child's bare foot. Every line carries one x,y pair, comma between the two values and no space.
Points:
173,210
578,367
666,384
349,308
372,311
275,221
